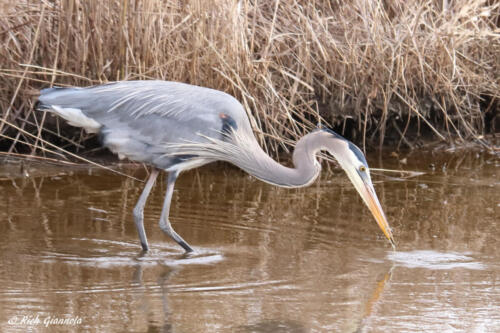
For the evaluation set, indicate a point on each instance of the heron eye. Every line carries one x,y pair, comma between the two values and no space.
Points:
362,168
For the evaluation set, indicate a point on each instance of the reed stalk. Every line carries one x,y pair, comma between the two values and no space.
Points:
377,71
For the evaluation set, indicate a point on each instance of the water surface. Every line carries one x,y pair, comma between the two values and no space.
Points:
267,259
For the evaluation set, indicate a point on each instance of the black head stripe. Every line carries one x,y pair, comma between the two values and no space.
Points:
329,131
359,154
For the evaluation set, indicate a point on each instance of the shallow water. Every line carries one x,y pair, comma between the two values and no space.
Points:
267,259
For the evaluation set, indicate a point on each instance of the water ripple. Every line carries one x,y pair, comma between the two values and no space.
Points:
435,260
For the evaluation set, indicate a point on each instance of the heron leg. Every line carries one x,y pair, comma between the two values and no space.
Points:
164,222
139,209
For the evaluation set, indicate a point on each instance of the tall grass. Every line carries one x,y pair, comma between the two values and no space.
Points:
373,69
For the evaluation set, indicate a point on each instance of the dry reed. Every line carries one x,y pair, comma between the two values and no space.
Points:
372,69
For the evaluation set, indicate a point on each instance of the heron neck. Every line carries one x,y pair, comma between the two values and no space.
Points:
305,170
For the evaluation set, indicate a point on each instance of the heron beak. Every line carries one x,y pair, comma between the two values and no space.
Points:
371,200
367,193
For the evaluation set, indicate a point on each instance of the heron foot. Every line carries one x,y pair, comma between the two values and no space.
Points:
167,229
186,246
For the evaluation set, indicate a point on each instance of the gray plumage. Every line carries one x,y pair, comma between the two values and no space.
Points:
132,115
175,126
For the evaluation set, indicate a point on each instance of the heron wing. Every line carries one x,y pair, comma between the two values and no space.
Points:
138,119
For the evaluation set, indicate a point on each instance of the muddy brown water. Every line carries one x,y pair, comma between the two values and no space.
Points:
267,259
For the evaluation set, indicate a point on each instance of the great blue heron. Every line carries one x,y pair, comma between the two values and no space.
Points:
175,127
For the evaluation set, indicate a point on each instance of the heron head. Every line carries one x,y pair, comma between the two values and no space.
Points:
353,161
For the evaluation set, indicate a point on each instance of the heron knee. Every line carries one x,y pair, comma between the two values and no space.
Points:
138,213
167,229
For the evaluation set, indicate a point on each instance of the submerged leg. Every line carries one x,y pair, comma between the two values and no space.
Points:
139,209
164,222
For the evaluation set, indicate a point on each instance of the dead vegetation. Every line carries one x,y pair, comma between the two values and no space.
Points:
374,70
